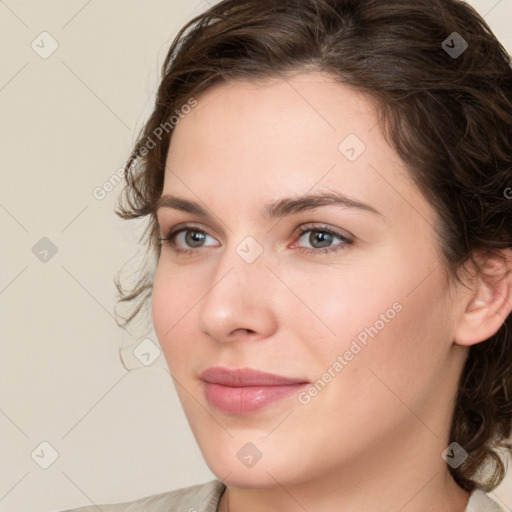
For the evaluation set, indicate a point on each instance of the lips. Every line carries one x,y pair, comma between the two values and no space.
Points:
246,377
245,390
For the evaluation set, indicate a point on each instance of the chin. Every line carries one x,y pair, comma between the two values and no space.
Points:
249,478
226,462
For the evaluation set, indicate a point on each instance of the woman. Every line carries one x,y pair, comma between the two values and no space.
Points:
327,184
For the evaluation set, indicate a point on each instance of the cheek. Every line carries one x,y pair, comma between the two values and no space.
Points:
391,317
171,300
394,372
341,304
394,346
161,301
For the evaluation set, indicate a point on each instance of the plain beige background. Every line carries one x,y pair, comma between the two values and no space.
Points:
67,123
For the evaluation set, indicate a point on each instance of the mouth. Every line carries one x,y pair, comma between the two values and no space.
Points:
244,390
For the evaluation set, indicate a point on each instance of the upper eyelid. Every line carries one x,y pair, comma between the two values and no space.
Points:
162,220
183,227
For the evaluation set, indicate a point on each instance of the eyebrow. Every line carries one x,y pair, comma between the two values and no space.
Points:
274,209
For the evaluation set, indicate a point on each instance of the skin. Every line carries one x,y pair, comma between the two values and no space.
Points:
372,438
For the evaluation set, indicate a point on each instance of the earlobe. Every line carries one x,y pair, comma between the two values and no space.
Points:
489,303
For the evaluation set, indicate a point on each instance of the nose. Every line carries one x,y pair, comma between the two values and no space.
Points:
238,299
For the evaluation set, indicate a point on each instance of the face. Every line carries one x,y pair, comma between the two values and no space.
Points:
311,256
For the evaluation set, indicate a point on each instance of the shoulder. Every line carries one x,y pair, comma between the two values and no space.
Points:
197,498
480,502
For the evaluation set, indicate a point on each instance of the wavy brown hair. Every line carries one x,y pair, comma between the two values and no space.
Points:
448,117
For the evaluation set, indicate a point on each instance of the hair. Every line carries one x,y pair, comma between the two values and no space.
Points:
448,117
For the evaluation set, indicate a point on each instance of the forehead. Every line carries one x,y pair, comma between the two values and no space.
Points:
303,107
286,136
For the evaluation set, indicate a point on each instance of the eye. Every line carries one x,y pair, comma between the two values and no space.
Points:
321,238
189,237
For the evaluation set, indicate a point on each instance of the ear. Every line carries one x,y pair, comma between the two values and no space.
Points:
489,300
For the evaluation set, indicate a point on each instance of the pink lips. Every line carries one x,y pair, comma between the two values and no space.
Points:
244,390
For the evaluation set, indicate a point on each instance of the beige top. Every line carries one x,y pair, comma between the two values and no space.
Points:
206,497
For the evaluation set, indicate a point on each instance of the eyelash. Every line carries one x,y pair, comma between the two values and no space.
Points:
169,239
